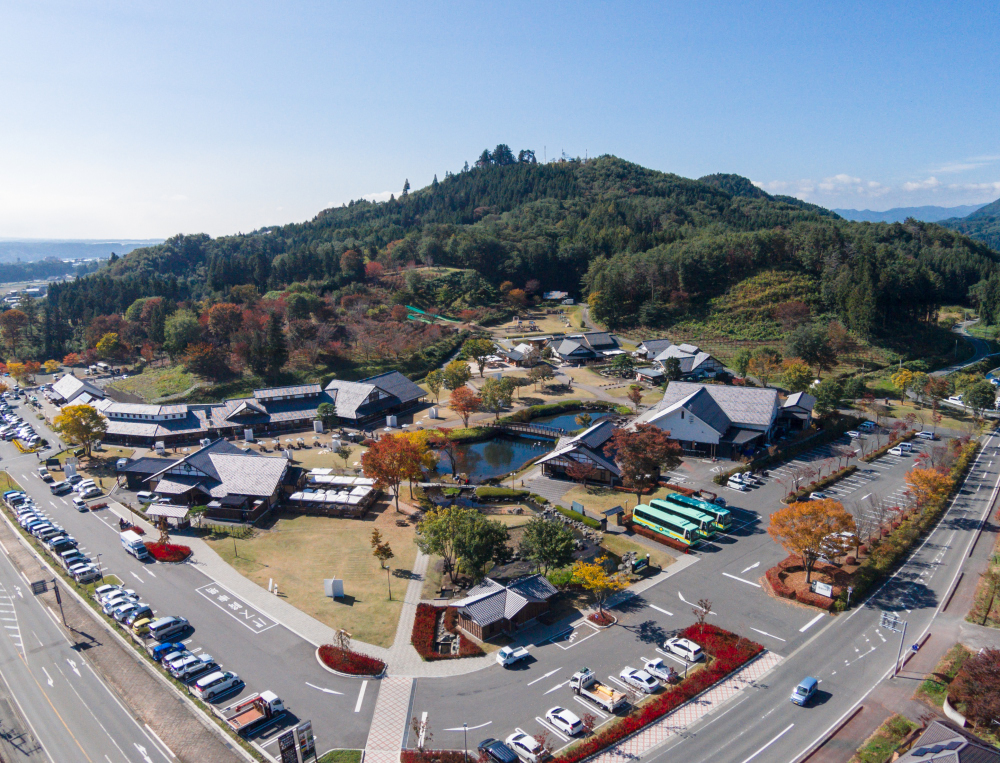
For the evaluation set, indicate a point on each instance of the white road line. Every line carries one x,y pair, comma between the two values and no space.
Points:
771,635
361,697
136,576
864,496
557,686
748,582
551,672
552,729
787,729
589,706
688,602
320,688
658,609
810,624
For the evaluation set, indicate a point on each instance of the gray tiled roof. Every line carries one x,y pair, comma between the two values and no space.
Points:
489,601
350,397
271,392
741,405
227,470
70,387
569,346
534,587
944,742
800,400
655,346
600,340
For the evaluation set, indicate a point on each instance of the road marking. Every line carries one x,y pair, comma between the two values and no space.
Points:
320,688
763,633
748,582
590,706
810,624
136,576
747,569
660,609
787,729
151,573
695,605
557,686
552,729
622,684
551,672
73,665
142,751
48,677
361,697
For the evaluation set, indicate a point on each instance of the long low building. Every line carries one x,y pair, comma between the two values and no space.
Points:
271,410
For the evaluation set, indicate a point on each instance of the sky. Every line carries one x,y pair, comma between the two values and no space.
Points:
143,120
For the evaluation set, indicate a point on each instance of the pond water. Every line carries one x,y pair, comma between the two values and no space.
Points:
567,421
492,458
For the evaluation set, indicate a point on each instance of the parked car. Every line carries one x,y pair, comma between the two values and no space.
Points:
867,426
735,485
44,474
854,434
926,435
74,479
659,669
172,661
526,747
639,679
159,651
79,503
215,684
497,751
896,451
566,721
819,495
91,492
194,666
685,648
143,611
144,496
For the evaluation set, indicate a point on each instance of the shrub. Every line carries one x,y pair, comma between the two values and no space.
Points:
168,552
353,663
432,756
578,516
728,651
601,618
425,628
501,494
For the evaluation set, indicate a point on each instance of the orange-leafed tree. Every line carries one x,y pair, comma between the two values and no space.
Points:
224,320
73,359
391,460
927,486
465,402
811,529
641,456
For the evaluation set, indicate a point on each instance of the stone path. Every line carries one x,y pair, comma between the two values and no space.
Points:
677,722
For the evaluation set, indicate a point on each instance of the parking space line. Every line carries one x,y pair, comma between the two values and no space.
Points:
660,609
748,582
811,623
551,728
590,707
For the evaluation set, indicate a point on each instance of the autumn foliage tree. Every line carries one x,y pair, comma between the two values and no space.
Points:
81,424
810,529
594,578
642,454
977,685
927,486
205,360
389,461
465,402
581,471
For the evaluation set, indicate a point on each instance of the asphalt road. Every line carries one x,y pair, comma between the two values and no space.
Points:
849,653
71,713
263,652
981,346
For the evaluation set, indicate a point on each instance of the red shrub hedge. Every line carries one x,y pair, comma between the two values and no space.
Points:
601,618
432,756
353,663
647,533
424,628
728,651
168,552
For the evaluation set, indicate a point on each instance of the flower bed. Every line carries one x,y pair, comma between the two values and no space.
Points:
168,552
352,663
601,618
776,577
432,756
424,629
728,651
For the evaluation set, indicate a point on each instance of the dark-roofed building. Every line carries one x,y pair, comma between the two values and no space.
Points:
693,363
141,469
490,608
580,348
796,411
945,742
236,486
361,402
588,448
143,425
715,419
650,348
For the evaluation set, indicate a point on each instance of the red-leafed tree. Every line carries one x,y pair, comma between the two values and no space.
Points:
581,471
224,320
641,456
465,402
373,271
391,460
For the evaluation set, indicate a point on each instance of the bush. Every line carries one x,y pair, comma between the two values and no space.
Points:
353,663
501,494
601,618
168,552
432,756
728,651
425,628
578,516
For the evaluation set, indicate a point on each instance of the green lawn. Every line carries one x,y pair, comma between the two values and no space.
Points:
880,746
341,756
156,383
935,686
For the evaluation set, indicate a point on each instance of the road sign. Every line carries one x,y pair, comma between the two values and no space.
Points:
889,621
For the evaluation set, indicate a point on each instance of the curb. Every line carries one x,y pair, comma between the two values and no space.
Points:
592,624
367,677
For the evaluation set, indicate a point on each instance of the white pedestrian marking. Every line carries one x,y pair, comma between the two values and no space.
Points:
748,582
811,623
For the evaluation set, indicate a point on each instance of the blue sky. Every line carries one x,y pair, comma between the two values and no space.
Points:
149,119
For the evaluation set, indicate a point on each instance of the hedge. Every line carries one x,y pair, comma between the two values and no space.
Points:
487,493
885,554
592,523
821,483
433,756
729,653
353,663
425,628
168,552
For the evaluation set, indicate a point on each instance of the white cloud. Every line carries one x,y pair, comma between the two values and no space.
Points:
922,185
380,196
972,163
993,188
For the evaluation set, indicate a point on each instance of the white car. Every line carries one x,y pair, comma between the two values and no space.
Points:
639,679
90,492
896,451
685,648
854,434
526,747
144,496
659,669
819,495
565,720
215,684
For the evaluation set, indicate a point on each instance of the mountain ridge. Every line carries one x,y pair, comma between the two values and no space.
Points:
927,214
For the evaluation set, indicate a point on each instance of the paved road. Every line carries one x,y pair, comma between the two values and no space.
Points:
71,713
261,650
981,346
728,574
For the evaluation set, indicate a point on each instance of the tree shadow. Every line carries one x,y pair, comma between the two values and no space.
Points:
647,632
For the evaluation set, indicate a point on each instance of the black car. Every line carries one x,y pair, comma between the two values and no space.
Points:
497,751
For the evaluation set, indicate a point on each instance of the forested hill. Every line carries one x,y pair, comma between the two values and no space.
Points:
982,225
648,246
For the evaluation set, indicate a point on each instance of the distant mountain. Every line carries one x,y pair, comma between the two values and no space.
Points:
33,250
982,225
899,214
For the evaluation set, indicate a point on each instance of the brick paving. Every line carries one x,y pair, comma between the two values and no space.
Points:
190,736
678,721
385,738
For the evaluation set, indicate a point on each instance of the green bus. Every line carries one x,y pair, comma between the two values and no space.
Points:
704,522
722,517
666,524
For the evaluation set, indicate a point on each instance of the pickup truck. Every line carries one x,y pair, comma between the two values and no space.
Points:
585,682
509,655
254,712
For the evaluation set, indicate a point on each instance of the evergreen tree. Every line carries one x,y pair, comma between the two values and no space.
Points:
277,344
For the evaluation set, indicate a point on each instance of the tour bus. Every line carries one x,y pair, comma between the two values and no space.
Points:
666,524
722,517
704,523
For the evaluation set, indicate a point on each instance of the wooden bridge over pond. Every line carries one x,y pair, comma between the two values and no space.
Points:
536,430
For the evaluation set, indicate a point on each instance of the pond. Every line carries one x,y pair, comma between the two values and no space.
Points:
493,458
567,421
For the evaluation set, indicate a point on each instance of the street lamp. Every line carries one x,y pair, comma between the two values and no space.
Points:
100,568
465,729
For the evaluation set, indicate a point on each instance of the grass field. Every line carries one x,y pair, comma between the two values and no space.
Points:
341,756
596,498
935,686
299,552
880,746
156,383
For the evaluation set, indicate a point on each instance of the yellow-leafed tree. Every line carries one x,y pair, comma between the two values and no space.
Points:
812,529
927,486
595,578
81,424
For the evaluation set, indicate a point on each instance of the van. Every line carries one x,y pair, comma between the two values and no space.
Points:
896,451
166,627
867,425
906,447
215,684
735,485
805,691
143,612
79,503
144,496
685,648
60,488
926,435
